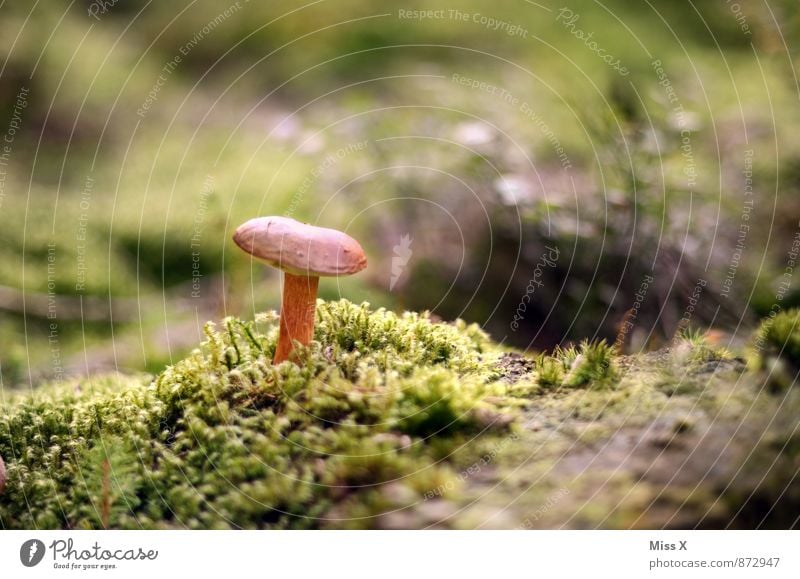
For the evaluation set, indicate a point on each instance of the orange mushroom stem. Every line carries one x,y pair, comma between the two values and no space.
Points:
298,312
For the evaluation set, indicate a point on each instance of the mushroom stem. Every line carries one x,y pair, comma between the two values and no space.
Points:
298,311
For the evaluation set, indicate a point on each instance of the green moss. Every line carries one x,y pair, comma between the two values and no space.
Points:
386,421
693,347
780,335
550,371
590,363
777,349
224,438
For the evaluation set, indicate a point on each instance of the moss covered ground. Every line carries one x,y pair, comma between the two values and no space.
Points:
394,421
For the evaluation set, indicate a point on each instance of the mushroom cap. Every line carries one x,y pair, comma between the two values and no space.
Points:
299,248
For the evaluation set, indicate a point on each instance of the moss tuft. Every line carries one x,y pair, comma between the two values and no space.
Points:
593,364
780,335
694,348
589,364
777,349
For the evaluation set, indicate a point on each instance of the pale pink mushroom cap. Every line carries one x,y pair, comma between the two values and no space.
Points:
300,249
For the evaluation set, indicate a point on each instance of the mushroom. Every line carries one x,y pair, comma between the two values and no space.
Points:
304,253
2,476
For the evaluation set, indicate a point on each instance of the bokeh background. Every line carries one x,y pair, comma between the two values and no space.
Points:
552,171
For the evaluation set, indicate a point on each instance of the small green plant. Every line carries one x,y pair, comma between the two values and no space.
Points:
594,365
780,335
110,482
590,363
549,371
692,346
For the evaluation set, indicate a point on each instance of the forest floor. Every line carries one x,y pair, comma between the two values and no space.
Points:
394,421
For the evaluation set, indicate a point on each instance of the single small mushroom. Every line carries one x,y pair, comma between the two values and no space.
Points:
304,253
2,476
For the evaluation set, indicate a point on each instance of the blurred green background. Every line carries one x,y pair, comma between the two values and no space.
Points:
457,144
